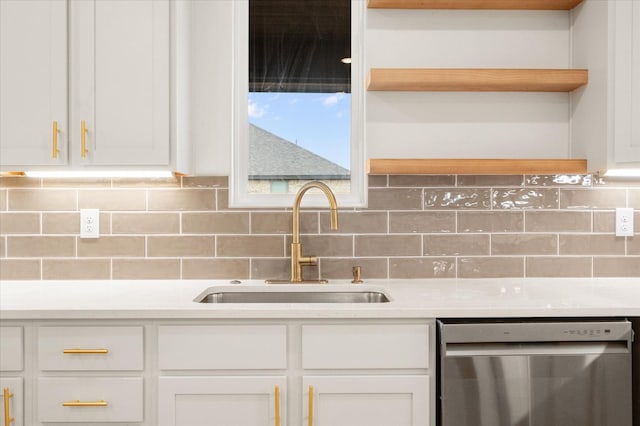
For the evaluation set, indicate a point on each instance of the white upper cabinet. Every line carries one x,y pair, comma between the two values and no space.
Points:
120,82
33,82
626,80
119,94
606,113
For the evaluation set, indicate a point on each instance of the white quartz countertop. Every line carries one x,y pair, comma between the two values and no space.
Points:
471,298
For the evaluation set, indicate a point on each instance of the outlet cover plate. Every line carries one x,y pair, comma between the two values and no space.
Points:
624,222
89,223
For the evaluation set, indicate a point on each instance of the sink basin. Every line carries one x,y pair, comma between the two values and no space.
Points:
291,296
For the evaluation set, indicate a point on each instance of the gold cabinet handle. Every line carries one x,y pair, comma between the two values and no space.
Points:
77,403
277,398
85,351
310,404
83,139
7,416
54,140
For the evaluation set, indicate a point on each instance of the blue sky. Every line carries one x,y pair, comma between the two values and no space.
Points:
319,122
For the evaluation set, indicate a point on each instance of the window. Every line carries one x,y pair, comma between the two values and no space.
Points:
299,112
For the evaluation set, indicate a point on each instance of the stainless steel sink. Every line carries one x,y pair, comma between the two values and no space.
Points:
292,296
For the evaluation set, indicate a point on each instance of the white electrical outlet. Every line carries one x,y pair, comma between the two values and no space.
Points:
624,222
89,223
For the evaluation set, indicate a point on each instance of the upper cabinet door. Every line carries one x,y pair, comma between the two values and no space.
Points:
120,84
33,82
626,16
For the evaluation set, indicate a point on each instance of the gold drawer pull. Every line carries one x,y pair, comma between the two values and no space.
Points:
54,141
277,402
7,395
310,405
77,403
83,139
85,351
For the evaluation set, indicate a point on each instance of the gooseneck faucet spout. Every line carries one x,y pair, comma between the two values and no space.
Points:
297,259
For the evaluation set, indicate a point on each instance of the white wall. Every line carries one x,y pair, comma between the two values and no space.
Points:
461,124
428,124
591,104
211,85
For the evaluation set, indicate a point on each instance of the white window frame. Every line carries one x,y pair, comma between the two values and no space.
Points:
238,194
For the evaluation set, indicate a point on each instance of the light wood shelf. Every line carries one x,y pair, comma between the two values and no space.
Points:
459,166
476,79
475,4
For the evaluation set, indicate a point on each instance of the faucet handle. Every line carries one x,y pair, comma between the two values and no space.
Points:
357,275
308,260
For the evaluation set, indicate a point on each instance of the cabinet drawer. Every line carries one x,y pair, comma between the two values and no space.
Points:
105,399
90,348
11,348
356,346
222,347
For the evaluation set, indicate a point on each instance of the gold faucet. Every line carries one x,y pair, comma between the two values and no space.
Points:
297,259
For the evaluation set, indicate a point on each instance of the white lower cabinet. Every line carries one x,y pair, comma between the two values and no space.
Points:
12,407
222,347
11,349
366,400
228,401
312,373
258,372
359,346
90,348
388,397
11,372
89,373
90,399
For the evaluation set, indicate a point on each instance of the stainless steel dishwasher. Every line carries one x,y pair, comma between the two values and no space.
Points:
560,373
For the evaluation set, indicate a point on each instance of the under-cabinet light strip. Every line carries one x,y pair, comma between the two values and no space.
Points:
100,174
634,173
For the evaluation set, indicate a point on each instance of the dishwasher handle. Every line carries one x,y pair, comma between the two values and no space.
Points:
535,348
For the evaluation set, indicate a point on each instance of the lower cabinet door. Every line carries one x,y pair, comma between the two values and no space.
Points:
228,401
365,400
90,399
12,403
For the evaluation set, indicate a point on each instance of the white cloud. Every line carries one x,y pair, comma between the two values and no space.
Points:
256,111
332,100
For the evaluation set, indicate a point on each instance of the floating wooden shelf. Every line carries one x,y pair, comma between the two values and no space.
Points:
475,4
419,166
476,79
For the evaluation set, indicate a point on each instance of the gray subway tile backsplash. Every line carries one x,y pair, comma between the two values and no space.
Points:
491,267
395,199
415,226
457,245
557,221
491,221
525,198
454,198
591,198
558,266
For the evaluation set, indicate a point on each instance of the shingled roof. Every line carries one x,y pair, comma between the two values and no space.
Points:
272,157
